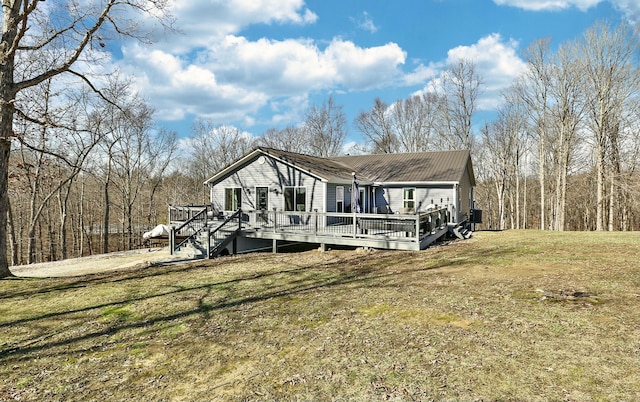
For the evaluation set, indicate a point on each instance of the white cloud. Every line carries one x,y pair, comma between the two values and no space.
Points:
496,61
630,8
422,74
202,22
234,78
177,89
543,5
365,23
364,68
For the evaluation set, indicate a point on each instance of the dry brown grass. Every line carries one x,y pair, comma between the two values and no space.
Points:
518,315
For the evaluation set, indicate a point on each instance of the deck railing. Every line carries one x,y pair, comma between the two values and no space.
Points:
185,213
196,222
413,227
410,227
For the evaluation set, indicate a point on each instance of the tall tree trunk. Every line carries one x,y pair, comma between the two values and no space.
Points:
107,208
600,191
10,12
12,233
5,150
612,202
81,221
541,176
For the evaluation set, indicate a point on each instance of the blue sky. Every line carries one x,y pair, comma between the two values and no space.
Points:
256,64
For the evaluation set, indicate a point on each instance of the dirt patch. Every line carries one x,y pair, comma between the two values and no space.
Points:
99,263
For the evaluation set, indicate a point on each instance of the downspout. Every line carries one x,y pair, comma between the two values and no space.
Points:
456,202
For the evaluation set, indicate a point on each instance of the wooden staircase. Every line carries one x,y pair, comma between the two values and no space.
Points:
202,237
461,231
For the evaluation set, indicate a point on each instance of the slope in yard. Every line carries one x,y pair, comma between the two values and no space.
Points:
519,315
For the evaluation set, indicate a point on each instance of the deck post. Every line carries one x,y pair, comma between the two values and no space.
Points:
315,222
208,242
275,246
418,226
275,220
172,240
355,225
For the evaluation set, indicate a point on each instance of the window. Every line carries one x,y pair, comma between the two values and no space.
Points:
409,198
295,199
339,198
232,199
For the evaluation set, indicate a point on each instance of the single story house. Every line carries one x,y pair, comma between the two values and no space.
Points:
384,200
267,178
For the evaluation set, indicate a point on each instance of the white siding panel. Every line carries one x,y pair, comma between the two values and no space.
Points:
271,174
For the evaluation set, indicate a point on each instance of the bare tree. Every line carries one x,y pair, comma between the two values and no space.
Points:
612,80
533,91
460,88
53,149
290,138
211,148
326,128
57,34
414,120
566,113
377,128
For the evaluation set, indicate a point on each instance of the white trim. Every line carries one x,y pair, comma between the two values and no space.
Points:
251,155
324,199
255,191
232,167
295,204
224,198
337,200
404,200
415,183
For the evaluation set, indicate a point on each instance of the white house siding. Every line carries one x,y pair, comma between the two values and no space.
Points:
274,175
465,195
331,197
440,196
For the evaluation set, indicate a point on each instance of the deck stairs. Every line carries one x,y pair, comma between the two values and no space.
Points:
461,231
204,238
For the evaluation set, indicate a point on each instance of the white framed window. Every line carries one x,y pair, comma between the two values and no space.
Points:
339,198
232,198
262,198
409,198
295,199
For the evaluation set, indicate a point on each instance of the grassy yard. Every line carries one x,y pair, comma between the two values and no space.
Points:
516,315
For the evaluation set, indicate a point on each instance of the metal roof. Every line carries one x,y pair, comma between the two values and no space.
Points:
440,166
326,168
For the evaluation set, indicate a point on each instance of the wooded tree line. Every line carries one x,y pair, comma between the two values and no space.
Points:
563,151
88,171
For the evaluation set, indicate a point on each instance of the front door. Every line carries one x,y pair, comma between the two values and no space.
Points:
262,202
262,198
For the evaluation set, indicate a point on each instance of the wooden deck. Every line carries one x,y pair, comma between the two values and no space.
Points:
383,231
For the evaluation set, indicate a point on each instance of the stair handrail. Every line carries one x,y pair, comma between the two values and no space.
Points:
201,228
237,214
195,218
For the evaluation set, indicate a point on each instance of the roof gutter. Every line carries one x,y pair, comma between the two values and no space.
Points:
415,183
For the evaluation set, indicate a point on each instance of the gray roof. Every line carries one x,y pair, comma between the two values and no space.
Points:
328,169
441,166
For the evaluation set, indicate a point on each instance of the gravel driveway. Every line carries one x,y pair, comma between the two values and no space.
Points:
98,263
